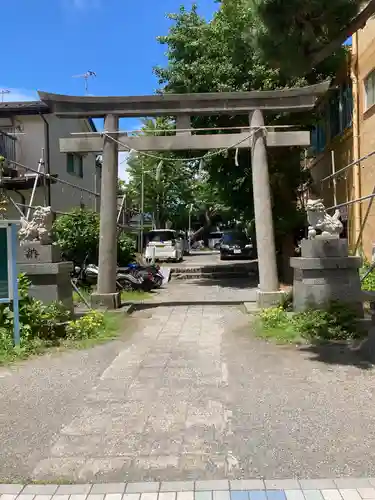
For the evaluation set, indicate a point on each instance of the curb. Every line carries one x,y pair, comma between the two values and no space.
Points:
129,308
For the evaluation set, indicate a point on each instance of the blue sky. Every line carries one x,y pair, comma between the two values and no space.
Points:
46,42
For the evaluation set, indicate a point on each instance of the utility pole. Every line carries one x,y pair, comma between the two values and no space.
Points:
142,208
189,231
157,179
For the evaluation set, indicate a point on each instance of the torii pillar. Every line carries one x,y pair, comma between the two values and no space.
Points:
106,295
268,293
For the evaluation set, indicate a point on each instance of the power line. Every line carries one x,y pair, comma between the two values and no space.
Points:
51,177
176,160
35,207
348,166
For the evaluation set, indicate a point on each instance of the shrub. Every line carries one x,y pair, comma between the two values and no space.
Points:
77,234
86,327
43,326
37,320
336,323
369,282
273,317
40,325
125,249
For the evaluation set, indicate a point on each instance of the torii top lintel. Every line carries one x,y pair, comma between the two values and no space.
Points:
287,100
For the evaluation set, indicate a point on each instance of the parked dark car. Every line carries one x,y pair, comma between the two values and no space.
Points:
235,244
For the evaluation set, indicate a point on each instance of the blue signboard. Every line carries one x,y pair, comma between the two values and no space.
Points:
8,271
4,263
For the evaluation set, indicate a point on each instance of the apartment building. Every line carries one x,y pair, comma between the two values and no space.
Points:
29,131
344,133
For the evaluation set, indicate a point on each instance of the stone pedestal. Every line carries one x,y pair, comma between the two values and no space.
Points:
49,275
106,301
325,273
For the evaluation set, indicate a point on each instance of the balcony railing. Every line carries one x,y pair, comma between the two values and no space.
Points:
8,147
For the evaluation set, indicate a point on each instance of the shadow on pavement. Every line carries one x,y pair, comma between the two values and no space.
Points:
341,354
239,283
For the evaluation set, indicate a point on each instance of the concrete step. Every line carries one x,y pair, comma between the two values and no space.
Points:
368,296
214,275
233,268
366,323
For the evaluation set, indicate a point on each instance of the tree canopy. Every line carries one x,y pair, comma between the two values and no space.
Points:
299,28
220,55
172,187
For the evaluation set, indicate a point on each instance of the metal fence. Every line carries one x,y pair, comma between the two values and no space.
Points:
7,146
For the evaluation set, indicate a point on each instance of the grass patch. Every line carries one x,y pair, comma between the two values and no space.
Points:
337,323
283,333
126,296
47,327
132,295
112,325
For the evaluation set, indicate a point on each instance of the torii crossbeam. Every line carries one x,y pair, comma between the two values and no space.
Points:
183,107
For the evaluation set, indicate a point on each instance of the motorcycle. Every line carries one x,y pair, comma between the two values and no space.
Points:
151,272
140,273
87,276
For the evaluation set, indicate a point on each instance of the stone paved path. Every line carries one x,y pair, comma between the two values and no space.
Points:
192,395
253,489
205,290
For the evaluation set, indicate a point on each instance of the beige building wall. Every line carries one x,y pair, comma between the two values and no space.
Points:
344,147
366,113
29,144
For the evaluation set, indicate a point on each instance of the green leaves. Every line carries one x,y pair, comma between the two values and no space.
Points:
77,234
224,55
301,28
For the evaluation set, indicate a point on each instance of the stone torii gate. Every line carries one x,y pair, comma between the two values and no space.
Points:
183,106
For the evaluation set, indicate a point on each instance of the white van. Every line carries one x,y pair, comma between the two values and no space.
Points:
164,244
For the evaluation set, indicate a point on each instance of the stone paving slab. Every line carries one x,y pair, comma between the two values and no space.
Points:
208,291
221,489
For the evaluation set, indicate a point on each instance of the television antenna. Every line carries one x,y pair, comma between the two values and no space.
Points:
86,76
3,92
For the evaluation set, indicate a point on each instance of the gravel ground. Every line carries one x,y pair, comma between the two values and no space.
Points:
39,396
192,395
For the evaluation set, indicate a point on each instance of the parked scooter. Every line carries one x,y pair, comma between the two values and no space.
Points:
151,272
87,276
139,272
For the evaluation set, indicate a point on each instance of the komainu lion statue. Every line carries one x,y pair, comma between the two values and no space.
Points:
318,219
38,229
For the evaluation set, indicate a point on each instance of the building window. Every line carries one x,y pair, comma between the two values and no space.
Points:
370,90
336,115
74,164
318,137
346,106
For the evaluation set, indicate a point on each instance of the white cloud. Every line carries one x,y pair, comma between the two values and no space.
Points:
122,166
18,94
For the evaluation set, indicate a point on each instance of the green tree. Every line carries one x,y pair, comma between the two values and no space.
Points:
171,185
77,234
220,56
299,27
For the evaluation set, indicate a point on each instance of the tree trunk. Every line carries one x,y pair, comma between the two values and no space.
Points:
196,236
